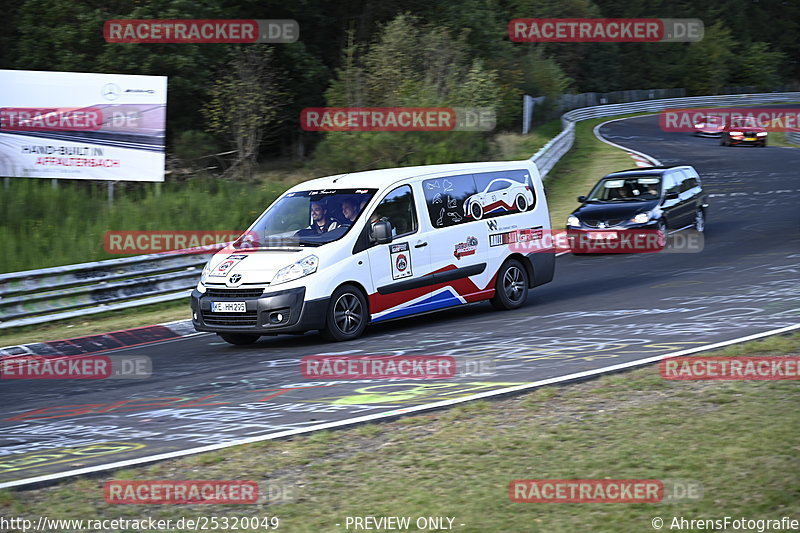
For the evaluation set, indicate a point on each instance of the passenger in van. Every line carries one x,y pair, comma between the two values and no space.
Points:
320,221
350,211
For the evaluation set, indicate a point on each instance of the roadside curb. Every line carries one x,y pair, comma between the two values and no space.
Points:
114,340
642,159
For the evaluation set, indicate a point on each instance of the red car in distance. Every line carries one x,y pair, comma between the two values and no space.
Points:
709,126
744,131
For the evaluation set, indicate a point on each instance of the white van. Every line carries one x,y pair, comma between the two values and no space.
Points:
336,253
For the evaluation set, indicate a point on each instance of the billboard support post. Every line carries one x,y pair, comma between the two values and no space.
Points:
110,194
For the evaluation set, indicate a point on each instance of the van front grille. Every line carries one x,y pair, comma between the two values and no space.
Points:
234,293
249,318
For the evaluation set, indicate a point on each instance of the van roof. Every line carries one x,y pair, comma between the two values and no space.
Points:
385,177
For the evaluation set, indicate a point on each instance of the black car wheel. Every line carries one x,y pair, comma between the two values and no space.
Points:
522,203
239,339
763,143
722,142
700,220
511,287
347,314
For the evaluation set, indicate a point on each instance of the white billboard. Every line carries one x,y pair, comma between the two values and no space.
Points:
80,125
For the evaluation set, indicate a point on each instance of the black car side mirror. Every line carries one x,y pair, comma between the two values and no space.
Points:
382,232
671,196
581,199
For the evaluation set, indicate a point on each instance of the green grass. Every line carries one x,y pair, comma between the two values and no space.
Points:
49,227
515,146
778,138
739,439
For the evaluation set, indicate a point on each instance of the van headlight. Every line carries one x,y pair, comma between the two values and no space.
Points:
641,218
201,288
304,267
573,222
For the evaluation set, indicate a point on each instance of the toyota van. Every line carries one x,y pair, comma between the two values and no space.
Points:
335,254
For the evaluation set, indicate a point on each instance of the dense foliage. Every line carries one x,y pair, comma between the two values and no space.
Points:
405,52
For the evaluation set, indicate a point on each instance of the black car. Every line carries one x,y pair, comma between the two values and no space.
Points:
655,198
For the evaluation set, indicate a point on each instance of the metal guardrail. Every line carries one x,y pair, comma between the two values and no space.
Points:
48,294
793,137
551,153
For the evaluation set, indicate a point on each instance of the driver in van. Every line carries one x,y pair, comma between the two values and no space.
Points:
320,221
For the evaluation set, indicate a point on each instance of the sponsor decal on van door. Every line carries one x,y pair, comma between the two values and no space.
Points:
400,257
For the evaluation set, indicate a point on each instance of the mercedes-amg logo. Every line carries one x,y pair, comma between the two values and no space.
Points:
236,278
111,91
601,225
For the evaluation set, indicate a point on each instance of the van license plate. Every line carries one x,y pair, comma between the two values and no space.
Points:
228,307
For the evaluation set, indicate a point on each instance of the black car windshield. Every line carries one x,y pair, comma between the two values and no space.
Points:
627,189
307,218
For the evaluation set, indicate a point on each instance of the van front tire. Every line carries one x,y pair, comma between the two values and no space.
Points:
239,339
347,314
511,286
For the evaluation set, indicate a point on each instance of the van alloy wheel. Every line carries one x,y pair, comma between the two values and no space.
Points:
511,287
347,314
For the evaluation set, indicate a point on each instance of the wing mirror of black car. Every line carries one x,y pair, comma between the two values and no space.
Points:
382,232
581,199
671,196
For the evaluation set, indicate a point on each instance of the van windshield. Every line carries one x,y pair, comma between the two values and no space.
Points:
307,218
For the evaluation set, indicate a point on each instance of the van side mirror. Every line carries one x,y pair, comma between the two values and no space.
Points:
581,199
671,196
382,232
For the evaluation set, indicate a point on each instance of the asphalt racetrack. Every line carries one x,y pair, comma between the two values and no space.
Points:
600,310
